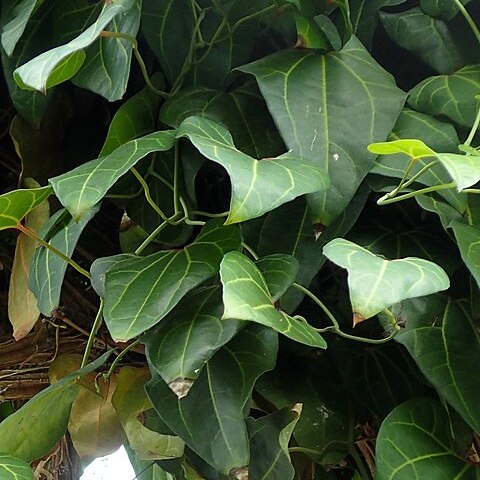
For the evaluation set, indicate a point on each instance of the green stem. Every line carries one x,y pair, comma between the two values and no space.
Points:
404,178
359,463
250,250
176,175
303,450
148,197
474,129
469,19
138,57
194,222
93,332
114,364
471,190
385,200
43,243
210,215
149,239
420,173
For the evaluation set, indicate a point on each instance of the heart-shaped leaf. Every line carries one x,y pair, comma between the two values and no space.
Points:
211,418
279,272
83,187
187,338
164,278
253,192
451,96
15,205
12,468
48,269
61,63
130,401
415,442
246,297
269,437
376,283
30,433
323,96
464,169
412,147
448,353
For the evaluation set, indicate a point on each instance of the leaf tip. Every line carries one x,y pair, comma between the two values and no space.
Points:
358,318
239,473
318,229
181,386
297,409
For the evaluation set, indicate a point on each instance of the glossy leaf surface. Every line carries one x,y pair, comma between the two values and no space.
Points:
223,392
376,283
464,169
253,193
314,121
246,297
164,278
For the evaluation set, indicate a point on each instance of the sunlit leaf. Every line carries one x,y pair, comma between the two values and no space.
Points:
62,62
164,278
376,283
253,192
22,304
12,468
269,437
31,432
83,187
210,419
16,204
464,169
415,442
411,147
246,297
130,401
48,269
317,110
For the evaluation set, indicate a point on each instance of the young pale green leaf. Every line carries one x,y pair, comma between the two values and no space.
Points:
13,30
269,437
322,99
279,272
426,37
464,169
467,239
412,147
188,337
448,353
253,192
61,63
47,269
15,205
106,68
36,427
130,401
246,297
211,418
451,96
12,468
163,278
83,187
415,442
376,283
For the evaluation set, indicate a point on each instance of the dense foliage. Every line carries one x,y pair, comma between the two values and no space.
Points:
290,188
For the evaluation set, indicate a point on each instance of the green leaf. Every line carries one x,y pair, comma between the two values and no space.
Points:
134,118
376,283
451,96
12,468
415,442
106,68
188,337
15,205
279,272
467,239
412,147
464,169
83,187
317,114
130,401
210,419
61,63
448,353
13,30
253,193
269,437
428,38
36,427
444,9
163,278
47,269
22,304
246,297
439,136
